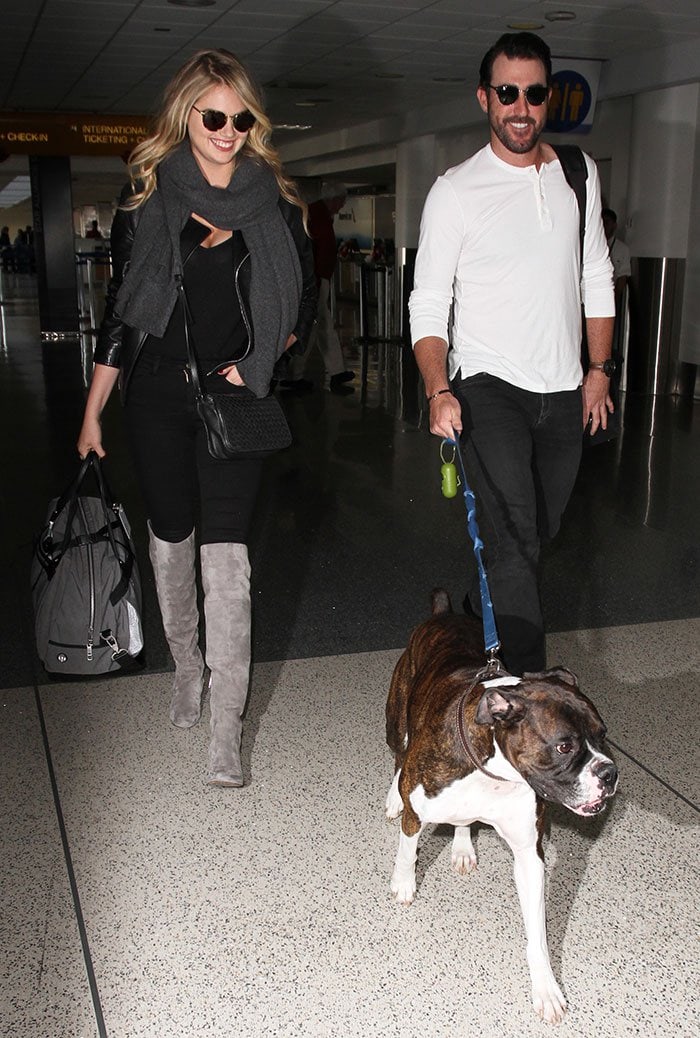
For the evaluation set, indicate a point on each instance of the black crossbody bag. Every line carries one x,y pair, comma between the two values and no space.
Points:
237,424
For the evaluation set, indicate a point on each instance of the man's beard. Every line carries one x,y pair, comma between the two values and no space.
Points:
518,144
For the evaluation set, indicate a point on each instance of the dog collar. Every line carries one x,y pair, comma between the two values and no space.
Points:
493,670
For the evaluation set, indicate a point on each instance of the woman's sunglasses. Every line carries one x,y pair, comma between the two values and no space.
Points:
507,94
213,120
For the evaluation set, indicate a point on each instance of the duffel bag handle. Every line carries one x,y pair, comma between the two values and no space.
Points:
71,491
49,554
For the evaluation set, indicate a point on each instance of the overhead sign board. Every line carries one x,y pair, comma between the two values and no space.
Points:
574,92
70,133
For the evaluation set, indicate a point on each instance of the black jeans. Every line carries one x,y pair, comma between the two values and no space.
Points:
521,452
177,475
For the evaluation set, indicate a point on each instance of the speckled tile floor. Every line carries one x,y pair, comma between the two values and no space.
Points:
266,911
136,901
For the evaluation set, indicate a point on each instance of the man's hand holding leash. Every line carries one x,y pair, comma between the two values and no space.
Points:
445,416
445,411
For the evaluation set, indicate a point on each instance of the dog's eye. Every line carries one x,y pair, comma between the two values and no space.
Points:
565,747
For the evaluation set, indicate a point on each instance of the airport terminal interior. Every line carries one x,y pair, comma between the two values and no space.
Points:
140,902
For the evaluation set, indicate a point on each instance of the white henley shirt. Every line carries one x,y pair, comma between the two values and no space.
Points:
502,243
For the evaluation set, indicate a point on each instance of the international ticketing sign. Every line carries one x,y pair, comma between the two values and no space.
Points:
574,92
66,133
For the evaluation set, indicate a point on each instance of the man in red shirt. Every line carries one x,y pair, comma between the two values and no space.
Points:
324,335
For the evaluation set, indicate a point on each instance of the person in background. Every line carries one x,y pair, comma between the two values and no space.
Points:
93,230
210,209
23,253
499,261
324,336
6,251
619,256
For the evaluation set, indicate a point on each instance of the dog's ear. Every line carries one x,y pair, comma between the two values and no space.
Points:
554,672
565,674
500,704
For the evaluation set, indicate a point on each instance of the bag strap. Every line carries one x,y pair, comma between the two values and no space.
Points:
106,497
575,170
71,491
50,555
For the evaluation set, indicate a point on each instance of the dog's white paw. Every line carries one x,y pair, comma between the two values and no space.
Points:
549,1002
463,853
394,809
403,888
394,803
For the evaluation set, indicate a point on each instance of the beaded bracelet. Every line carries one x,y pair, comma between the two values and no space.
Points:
439,393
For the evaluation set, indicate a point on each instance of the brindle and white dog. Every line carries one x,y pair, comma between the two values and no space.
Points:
493,750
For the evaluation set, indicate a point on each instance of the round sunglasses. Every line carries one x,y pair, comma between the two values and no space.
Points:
507,94
213,120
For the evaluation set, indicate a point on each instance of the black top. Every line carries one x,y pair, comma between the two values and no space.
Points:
217,328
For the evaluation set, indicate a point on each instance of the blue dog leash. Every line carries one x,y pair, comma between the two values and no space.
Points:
491,641
494,668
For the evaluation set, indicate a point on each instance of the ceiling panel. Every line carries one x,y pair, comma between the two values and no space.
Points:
110,56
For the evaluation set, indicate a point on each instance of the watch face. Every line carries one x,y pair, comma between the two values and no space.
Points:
609,367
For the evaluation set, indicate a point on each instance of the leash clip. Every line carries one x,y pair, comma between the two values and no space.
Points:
494,668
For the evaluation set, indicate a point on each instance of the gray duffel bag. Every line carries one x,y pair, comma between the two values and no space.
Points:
86,588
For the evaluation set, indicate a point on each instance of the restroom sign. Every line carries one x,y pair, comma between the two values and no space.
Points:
574,90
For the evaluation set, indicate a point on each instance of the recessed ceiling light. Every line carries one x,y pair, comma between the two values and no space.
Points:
561,16
15,192
525,26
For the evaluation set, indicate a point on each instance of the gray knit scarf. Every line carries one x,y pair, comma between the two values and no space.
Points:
148,294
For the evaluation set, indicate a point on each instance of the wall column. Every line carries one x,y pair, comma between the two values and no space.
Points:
662,156
415,175
54,248
690,325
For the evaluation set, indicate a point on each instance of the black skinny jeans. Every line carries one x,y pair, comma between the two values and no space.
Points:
177,475
522,452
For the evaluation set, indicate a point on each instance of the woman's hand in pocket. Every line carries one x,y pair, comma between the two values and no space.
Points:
232,375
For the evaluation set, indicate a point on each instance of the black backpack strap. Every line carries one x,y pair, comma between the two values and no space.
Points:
576,172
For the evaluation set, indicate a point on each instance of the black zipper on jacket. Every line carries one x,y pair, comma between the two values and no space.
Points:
244,315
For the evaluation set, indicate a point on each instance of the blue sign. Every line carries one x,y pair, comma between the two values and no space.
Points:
570,102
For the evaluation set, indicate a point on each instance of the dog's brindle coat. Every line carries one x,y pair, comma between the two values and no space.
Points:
539,734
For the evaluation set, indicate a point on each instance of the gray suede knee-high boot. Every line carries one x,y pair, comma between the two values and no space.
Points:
226,583
176,585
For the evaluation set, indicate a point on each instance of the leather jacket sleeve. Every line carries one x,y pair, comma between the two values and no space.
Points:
309,292
108,349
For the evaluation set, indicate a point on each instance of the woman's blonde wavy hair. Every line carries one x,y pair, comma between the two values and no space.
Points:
204,69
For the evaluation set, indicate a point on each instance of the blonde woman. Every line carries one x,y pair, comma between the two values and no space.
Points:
208,206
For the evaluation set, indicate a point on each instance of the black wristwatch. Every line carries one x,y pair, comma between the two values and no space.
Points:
608,367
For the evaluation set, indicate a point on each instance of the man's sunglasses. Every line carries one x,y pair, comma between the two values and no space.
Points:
507,94
213,120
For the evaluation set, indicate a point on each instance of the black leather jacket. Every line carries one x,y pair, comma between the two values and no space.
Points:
119,345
